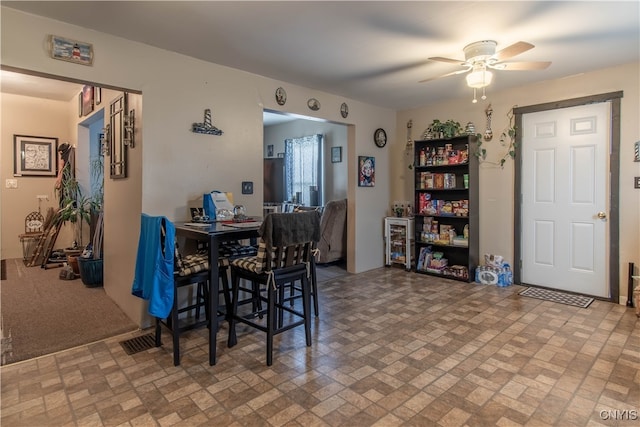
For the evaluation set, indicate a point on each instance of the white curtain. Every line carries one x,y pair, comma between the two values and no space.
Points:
303,166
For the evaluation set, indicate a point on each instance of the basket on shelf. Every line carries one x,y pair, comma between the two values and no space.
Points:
90,271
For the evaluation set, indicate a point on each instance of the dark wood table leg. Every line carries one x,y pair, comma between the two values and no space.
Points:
213,297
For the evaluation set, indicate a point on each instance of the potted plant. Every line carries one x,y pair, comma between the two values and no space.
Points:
75,209
90,263
78,210
448,129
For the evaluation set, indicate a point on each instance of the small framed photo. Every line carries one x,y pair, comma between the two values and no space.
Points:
336,154
70,50
97,95
270,150
35,156
366,171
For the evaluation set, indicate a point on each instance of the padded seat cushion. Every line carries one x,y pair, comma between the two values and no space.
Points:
195,263
191,264
251,263
235,249
256,264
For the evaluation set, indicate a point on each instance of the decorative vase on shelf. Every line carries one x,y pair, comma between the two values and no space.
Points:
470,129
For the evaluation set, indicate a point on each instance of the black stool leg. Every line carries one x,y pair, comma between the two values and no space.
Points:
158,333
175,329
235,280
226,292
271,296
198,299
281,301
306,309
314,286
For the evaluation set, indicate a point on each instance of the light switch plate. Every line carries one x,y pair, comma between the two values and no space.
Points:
247,187
11,183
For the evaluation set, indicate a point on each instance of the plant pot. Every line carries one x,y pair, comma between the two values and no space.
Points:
90,271
72,258
73,262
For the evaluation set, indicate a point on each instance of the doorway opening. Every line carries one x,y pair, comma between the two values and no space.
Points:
331,189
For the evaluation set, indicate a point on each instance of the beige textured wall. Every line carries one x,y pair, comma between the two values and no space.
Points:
180,165
497,185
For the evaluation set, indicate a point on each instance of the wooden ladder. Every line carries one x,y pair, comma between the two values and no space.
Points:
47,241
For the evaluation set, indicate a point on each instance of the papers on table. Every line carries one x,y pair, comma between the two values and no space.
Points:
197,224
251,224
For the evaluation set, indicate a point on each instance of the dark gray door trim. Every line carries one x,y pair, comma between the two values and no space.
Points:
614,183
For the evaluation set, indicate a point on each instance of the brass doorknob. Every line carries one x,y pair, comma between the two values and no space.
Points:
602,215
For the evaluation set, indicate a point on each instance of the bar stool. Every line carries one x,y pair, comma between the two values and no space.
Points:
284,256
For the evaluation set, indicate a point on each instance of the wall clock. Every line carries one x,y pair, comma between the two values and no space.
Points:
380,137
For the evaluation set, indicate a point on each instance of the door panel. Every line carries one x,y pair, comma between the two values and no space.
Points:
565,181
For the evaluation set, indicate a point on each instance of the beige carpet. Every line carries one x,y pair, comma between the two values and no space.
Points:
42,314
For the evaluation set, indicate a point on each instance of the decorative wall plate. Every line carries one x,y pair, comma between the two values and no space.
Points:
344,110
313,104
380,137
281,96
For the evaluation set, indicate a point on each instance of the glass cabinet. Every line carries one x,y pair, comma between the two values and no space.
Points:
398,236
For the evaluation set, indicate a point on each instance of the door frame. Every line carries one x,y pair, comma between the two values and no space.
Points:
614,183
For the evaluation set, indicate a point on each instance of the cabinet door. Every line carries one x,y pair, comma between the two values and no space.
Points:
399,241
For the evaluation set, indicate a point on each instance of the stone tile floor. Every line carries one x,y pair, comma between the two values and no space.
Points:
390,348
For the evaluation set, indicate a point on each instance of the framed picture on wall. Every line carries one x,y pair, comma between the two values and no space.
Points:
35,156
336,154
366,171
87,100
70,50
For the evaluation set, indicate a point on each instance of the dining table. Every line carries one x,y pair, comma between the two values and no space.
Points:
216,234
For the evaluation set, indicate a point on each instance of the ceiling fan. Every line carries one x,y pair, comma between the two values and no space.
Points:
481,56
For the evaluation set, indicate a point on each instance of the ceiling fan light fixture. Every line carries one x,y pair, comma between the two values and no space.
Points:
479,78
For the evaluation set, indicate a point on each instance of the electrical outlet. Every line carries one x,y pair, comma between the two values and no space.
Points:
11,183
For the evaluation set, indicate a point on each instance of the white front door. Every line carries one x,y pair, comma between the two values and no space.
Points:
565,170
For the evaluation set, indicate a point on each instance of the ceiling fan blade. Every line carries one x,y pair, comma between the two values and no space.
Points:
521,66
513,50
448,60
453,73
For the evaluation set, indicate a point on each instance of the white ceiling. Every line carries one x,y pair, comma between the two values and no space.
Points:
371,51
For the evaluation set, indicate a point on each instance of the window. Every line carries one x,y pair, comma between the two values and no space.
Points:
303,166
